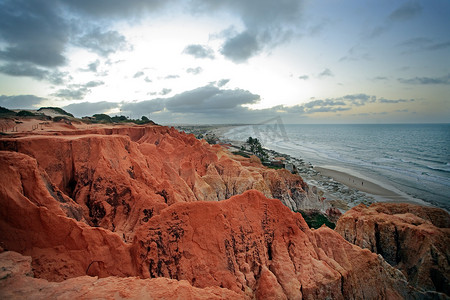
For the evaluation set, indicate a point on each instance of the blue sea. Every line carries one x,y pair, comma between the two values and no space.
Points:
411,158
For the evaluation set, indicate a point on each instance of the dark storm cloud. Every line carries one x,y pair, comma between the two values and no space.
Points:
103,42
89,108
24,69
199,51
267,24
29,70
33,31
20,101
115,8
241,47
407,11
194,71
445,80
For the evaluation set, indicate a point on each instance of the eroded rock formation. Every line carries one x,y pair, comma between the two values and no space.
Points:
127,202
414,239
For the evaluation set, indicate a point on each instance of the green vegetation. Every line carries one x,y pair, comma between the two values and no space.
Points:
60,118
5,111
316,219
58,110
241,154
25,113
257,149
103,118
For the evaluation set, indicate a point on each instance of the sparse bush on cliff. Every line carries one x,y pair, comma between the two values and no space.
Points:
5,111
25,113
257,149
102,118
315,219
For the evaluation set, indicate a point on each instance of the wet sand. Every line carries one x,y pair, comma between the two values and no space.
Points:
364,185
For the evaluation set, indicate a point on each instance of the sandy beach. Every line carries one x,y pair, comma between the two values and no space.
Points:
366,186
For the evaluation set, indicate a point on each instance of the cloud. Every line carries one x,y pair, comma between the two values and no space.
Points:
445,80
20,101
199,51
77,91
146,79
321,103
210,99
356,53
303,77
382,100
24,69
165,91
267,24
422,44
241,47
94,83
29,70
115,8
326,73
359,99
138,74
194,71
92,67
103,43
380,78
33,32
222,82
172,77
89,108
145,107
406,11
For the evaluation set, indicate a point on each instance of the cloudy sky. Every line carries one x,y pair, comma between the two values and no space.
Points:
229,61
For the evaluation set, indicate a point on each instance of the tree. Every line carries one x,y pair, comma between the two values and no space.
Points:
257,149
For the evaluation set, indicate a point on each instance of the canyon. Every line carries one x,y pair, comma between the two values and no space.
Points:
145,211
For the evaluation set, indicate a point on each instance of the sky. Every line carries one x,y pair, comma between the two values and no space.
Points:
229,61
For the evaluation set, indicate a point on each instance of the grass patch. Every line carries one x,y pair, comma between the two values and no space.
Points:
241,154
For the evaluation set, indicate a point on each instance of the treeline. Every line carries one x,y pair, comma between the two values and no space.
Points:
104,118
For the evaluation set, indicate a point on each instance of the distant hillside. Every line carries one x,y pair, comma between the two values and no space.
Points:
5,111
53,111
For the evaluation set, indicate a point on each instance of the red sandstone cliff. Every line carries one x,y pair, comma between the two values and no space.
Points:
125,202
414,239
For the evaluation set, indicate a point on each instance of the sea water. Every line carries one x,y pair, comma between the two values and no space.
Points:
411,158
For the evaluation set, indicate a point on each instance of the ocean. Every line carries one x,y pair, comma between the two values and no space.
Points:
413,159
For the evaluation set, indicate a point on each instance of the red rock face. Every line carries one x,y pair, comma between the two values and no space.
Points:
17,283
413,238
126,202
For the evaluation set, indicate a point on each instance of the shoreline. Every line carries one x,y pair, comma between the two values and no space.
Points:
342,188
367,185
